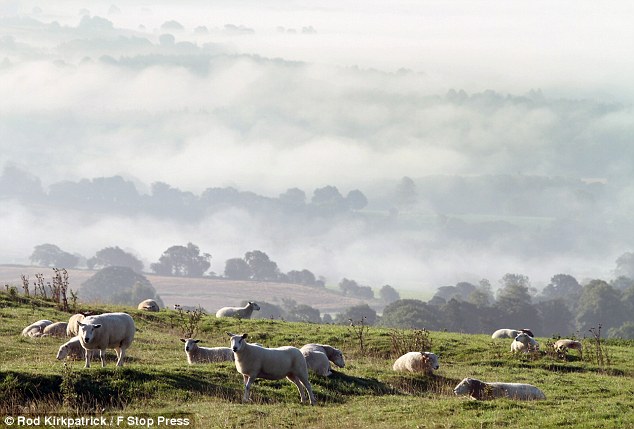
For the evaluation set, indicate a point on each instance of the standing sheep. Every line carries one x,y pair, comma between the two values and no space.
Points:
319,356
196,354
148,305
272,364
72,349
36,329
239,312
477,389
524,343
505,333
57,329
72,329
108,330
425,362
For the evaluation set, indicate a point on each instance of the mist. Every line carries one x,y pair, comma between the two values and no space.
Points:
269,97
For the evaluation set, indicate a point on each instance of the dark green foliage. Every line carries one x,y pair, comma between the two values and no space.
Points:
118,285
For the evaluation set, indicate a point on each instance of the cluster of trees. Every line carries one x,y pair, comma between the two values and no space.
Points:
118,285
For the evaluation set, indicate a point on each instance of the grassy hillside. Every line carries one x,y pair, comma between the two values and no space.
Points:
156,379
211,294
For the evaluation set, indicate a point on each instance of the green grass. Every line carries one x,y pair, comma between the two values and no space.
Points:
156,379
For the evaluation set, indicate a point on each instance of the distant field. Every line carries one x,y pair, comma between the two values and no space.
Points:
157,381
211,294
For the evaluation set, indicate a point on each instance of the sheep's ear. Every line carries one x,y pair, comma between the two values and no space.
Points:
81,324
97,326
183,340
230,334
196,341
244,336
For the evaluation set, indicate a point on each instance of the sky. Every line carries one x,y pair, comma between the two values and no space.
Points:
266,96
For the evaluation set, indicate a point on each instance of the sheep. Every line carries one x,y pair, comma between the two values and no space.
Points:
528,332
72,349
148,305
196,354
560,346
481,390
524,343
72,329
319,356
108,330
425,362
239,312
57,329
505,333
36,329
272,364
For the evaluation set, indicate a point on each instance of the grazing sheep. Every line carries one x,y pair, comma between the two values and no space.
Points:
425,362
319,356
196,354
239,312
36,329
57,329
72,349
560,346
148,305
524,343
477,389
272,364
72,329
505,333
108,330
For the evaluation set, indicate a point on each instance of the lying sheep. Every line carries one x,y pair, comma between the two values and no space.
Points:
239,312
425,362
36,329
528,332
505,333
57,329
272,364
319,356
72,349
196,354
524,343
480,390
72,329
148,305
108,330
560,346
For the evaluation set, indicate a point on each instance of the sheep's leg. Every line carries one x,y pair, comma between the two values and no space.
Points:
120,356
247,387
102,355
295,380
88,356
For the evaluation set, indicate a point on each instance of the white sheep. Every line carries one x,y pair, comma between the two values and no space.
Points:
148,305
72,329
505,333
72,349
108,330
477,389
57,329
425,362
239,312
197,354
524,343
560,346
319,356
36,329
272,364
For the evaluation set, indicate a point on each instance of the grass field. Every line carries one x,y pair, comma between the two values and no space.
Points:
157,381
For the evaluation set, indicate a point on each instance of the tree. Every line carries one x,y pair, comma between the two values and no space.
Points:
625,265
557,319
388,294
351,288
237,269
626,331
303,277
118,285
357,313
514,303
293,198
49,255
564,287
183,261
356,200
261,266
411,313
114,256
328,200
406,193
599,304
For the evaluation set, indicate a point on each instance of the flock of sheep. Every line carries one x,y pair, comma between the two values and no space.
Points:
116,331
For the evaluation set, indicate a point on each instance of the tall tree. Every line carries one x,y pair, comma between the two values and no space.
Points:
261,266
514,303
564,287
184,261
114,256
388,294
118,285
600,304
237,269
49,255
625,265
